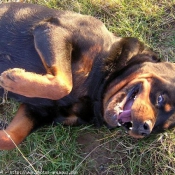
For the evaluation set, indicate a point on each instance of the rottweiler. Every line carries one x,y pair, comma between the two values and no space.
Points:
67,68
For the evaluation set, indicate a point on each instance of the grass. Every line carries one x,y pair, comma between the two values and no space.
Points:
88,150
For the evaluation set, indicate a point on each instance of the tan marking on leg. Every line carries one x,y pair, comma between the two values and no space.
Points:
35,85
18,129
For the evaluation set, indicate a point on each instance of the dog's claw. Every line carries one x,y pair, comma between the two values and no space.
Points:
11,77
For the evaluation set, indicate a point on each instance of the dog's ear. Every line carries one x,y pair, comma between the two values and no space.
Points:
170,123
129,50
166,124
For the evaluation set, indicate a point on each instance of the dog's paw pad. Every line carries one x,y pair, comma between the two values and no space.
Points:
3,125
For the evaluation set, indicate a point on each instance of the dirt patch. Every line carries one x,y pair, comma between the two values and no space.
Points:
101,156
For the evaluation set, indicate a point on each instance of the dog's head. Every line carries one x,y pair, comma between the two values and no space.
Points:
141,97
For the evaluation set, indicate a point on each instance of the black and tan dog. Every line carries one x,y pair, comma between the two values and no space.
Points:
68,68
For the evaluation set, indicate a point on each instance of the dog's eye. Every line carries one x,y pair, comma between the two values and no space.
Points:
160,100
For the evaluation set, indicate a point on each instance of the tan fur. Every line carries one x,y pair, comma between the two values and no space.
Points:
18,129
35,85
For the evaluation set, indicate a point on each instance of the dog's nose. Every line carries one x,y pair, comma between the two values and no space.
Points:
145,128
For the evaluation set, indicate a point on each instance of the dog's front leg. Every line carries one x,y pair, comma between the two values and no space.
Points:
54,48
34,85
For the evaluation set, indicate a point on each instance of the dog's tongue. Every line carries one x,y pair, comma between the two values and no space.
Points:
125,116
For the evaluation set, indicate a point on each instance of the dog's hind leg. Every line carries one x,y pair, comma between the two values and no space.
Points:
17,130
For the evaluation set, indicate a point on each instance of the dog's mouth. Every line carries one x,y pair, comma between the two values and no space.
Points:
118,112
123,109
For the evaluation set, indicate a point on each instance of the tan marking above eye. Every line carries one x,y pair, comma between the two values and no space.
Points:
167,107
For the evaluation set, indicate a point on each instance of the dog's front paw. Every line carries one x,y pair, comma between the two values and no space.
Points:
10,78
